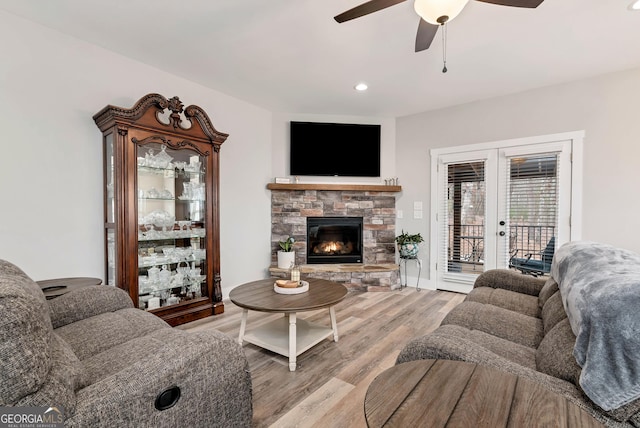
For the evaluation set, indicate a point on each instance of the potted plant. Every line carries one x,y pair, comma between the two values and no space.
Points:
286,255
408,244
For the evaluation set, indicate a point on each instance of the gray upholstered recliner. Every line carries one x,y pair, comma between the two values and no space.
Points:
522,325
107,363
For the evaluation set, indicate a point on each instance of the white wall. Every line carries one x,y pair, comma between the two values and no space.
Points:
51,221
606,108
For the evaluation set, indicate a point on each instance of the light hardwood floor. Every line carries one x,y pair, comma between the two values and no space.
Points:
328,387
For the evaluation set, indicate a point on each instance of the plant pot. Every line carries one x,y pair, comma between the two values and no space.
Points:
409,250
286,259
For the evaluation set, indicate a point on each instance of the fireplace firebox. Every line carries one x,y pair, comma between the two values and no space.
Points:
334,240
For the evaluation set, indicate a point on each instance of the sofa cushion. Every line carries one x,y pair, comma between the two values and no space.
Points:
517,302
66,376
25,335
499,322
87,302
553,312
550,287
554,355
510,280
94,335
136,352
519,354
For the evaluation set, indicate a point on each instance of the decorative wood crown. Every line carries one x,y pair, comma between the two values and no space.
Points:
157,104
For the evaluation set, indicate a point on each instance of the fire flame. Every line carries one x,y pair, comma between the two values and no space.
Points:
333,247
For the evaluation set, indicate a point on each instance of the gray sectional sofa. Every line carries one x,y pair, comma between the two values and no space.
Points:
106,363
577,333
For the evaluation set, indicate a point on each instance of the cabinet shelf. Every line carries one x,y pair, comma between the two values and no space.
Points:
156,199
169,235
159,261
154,288
176,200
168,171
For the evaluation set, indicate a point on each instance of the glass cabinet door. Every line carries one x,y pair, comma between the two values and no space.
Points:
110,209
171,226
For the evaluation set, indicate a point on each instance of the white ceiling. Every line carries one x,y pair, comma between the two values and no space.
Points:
291,56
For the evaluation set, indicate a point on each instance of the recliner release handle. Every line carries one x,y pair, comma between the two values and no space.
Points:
168,398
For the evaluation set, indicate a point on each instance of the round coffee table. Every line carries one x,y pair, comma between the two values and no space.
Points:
288,336
439,393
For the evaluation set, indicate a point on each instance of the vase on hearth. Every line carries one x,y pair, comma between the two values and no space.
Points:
286,259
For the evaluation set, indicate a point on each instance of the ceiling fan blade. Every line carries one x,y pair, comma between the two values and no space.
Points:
426,33
366,9
515,3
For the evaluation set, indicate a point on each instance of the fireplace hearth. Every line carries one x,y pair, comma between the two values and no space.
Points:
334,240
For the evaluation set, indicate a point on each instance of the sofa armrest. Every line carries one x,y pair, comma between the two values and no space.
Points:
510,280
209,368
87,302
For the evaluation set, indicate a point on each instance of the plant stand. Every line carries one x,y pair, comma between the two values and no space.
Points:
404,260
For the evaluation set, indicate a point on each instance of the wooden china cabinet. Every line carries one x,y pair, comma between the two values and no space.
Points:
161,215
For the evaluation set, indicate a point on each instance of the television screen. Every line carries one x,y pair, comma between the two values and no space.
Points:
338,149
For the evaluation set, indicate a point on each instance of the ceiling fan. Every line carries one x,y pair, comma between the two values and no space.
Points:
433,14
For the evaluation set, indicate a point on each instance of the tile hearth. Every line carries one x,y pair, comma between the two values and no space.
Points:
354,276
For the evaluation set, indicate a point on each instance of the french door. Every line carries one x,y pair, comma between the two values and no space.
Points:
499,202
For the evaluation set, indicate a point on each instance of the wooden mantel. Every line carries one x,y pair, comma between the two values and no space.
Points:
339,187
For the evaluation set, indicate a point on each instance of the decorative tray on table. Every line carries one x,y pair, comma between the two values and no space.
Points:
302,287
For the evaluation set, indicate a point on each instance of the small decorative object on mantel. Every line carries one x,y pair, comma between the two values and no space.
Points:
391,181
286,255
283,180
408,245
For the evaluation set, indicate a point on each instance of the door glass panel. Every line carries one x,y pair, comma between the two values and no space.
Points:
109,179
111,257
110,207
532,212
466,196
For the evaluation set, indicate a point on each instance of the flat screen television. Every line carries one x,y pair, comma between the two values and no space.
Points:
337,149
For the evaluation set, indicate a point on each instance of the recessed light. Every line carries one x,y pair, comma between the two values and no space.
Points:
363,86
635,5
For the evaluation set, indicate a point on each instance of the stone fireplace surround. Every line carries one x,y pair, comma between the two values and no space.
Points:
291,204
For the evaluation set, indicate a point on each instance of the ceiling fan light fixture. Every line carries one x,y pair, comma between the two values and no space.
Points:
635,5
433,11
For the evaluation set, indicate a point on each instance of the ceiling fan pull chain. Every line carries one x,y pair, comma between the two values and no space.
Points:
444,46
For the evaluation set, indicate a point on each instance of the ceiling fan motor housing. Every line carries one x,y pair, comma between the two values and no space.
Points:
438,12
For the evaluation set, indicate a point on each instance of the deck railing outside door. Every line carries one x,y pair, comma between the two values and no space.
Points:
523,239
